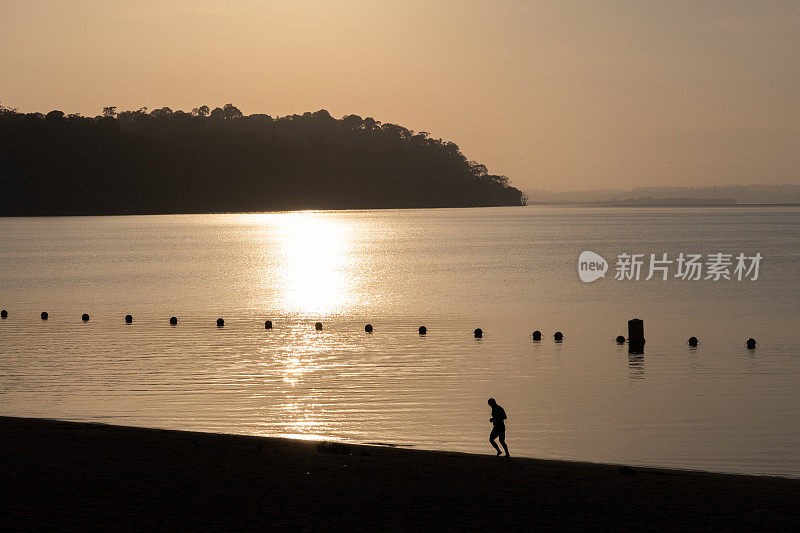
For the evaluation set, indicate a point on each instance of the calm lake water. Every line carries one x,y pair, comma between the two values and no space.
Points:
506,270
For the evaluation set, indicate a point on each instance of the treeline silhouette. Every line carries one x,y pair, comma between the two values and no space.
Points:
220,160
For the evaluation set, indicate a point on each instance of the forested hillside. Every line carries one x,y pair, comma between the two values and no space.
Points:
220,160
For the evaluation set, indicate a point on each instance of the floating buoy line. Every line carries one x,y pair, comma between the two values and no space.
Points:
635,338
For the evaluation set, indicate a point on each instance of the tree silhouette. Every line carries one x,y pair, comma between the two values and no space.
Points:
169,161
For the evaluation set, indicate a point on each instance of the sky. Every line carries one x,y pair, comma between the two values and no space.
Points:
560,95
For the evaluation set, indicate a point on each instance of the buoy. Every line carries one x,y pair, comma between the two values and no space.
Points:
220,322
318,326
620,339
268,324
692,341
558,336
368,328
85,317
423,330
128,319
537,335
751,343
44,315
3,314
479,333
173,321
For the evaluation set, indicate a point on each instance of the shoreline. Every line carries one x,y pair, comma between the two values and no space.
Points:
604,204
268,212
91,475
359,209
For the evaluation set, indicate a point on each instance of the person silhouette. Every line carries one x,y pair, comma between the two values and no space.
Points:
498,421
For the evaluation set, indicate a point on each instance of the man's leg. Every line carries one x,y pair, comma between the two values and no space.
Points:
492,436
503,442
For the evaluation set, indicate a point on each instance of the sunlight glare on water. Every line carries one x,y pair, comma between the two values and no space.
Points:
311,257
508,271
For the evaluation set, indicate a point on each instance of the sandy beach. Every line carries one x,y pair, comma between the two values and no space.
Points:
76,475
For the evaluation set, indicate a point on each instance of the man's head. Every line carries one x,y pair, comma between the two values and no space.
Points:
491,401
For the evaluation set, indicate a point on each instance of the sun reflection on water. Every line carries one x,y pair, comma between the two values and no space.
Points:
313,253
308,267
300,418
299,411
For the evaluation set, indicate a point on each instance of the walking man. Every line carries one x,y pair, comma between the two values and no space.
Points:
498,421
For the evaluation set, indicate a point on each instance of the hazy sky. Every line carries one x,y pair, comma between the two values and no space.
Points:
558,94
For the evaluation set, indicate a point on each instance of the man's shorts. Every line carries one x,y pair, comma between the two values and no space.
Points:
498,431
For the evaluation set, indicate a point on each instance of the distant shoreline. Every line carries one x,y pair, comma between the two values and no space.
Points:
778,194
603,204
275,211
345,210
88,475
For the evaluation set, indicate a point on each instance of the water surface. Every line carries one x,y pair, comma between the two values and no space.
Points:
506,270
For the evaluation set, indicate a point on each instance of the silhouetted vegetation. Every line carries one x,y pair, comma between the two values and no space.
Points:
219,160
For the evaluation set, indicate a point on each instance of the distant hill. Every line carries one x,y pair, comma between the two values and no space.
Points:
673,201
220,160
721,195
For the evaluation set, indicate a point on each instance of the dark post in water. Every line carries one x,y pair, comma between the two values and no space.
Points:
635,336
